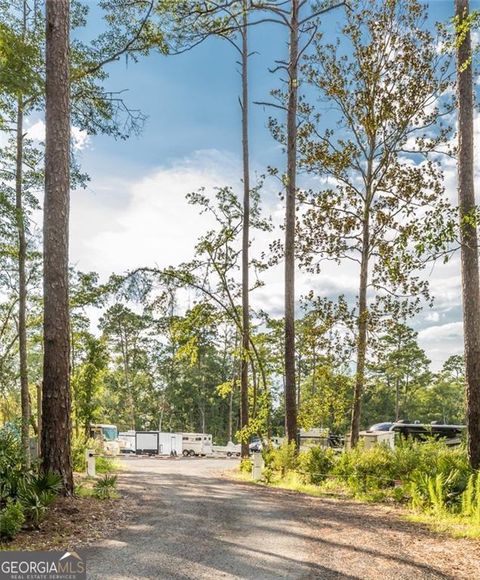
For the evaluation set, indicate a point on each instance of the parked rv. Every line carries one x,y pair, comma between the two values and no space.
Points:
196,444
107,436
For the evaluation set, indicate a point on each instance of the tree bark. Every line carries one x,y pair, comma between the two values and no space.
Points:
22,286
291,186
468,237
245,233
362,333
56,432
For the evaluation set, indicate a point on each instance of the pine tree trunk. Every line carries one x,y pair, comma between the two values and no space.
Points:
22,286
56,432
245,234
290,385
362,334
468,237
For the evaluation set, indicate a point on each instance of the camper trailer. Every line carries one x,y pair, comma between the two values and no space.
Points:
196,444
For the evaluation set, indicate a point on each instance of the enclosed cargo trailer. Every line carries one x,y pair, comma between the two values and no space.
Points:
146,442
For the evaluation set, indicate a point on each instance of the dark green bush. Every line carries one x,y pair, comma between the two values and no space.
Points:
366,470
285,458
315,464
12,518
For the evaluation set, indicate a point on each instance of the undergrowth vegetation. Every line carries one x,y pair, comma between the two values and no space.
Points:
103,464
429,477
25,494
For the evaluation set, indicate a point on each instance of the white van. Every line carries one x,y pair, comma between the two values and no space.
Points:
196,444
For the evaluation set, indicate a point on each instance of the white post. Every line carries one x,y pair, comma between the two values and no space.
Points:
258,465
90,456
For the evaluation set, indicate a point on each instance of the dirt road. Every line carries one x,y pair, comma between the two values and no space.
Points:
191,523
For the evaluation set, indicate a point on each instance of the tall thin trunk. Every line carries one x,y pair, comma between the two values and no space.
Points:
291,187
397,399
468,237
230,412
245,233
56,432
22,286
39,420
362,334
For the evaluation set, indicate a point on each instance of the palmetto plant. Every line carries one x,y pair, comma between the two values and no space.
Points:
105,488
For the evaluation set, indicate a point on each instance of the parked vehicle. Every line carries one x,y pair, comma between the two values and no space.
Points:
152,443
230,449
126,441
107,436
195,444
451,434
170,444
146,442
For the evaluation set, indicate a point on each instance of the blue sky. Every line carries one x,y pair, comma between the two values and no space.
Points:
133,211
191,99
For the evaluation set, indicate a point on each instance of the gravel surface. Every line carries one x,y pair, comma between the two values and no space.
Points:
189,522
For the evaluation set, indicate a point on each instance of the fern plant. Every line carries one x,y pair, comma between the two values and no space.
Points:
470,498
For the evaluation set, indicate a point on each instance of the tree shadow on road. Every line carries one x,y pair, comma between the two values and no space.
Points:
190,526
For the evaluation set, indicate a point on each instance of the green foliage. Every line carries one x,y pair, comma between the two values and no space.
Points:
24,494
316,464
470,498
105,488
37,492
12,518
105,464
246,465
366,470
285,458
11,464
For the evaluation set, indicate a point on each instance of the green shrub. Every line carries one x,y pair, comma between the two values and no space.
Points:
12,518
268,475
285,458
12,469
315,464
246,465
105,464
106,487
367,470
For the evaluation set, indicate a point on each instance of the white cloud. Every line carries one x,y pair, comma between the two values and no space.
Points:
442,341
80,138
118,225
123,225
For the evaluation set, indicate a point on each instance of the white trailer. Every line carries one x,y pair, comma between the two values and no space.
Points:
196,444
146,442
126,440
170,444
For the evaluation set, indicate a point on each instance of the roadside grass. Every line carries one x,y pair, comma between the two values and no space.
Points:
428,483
453,525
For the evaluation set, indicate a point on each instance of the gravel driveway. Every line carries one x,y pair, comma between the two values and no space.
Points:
190,522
